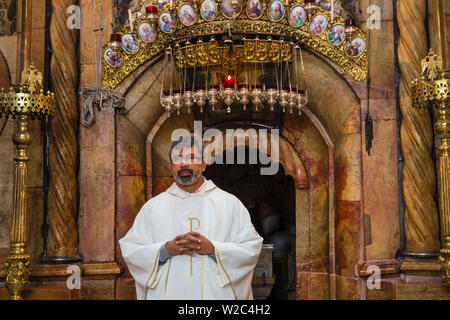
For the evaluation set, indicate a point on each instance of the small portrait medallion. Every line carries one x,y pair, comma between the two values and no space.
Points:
112,57
318,24
337,35
208,10
166,22
231,8
297,16
129,43
146,32
276,10
356,47
187,15
254,9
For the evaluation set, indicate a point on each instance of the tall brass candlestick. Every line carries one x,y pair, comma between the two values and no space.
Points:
22,103
19,259
442,128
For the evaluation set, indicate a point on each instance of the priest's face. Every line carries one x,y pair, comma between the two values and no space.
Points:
187,168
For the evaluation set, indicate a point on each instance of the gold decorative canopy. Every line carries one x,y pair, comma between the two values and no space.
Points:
159,25
21,99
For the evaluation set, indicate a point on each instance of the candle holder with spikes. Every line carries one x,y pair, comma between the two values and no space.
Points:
23,104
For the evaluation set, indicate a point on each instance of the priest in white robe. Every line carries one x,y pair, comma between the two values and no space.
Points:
193,241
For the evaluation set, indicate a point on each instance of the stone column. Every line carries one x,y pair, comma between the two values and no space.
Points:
419,179
62,237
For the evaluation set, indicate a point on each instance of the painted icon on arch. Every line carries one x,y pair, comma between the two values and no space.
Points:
166,22
146,32
129,43
208,10
356,47
113,57
187,15
231,8
276,10
318,24
297,16
254,9
337,35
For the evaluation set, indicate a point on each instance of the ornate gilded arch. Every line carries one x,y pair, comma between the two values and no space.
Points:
356,66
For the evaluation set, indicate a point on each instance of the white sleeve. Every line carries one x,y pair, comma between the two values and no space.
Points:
238,256
140,253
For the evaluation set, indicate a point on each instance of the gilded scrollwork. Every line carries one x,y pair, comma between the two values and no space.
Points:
17,275
210,54
444,258
356,65
20,100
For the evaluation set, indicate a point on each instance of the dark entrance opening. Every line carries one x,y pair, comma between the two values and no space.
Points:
270,200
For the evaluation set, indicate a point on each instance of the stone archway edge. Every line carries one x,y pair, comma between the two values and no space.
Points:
331,183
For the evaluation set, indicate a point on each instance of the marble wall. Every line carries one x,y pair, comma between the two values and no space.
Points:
335,157
8,75
129,153
97,152
347,217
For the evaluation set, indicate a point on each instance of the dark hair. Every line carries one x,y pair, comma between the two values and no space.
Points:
187,140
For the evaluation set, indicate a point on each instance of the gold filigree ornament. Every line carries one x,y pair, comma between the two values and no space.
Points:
349,56
17,276
444,258
431,64
31,77
253,50
22,99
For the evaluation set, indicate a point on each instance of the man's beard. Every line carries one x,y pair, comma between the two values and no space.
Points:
187,180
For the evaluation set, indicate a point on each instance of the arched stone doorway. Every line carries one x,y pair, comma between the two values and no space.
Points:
270,200
306,165
327,139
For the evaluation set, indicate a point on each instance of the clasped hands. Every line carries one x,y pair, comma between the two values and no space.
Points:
190,243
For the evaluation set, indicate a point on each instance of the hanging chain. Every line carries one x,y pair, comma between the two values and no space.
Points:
303,74
99,96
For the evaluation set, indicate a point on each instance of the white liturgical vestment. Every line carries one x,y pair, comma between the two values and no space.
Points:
217,215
